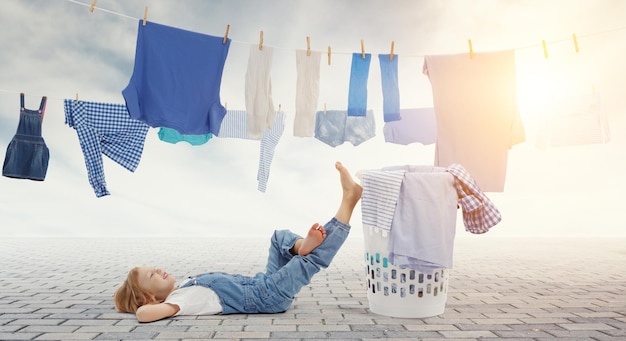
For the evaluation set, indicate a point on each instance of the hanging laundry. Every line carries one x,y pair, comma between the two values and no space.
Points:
479,213
105,128
176,79
258,92
234,125
477,116
357,91
418,125
170,135
307,92
573,121
391,92
27,155
334,127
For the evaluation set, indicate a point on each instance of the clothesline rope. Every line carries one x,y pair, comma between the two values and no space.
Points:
19,92
88,5
539,44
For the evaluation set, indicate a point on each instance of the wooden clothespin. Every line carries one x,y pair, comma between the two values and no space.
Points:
391,54
575,42
328,54
261,41
226,34
471,49
145,16
93,6
77,97
280,107
362,49
324,108
226,105
308,46
545,49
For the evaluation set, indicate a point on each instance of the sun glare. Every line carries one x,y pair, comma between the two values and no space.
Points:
553,86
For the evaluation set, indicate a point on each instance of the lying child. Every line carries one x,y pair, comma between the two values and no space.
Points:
151,293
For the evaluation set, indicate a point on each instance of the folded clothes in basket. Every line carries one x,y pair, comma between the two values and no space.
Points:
423,213
417,206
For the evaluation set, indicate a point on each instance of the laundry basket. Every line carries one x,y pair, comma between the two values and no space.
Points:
397,292
403,291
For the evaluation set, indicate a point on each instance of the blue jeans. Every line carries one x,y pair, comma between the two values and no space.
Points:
274,290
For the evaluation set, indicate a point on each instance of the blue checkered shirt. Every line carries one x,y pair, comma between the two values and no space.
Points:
108,129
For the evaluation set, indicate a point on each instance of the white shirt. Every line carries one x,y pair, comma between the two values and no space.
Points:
195,300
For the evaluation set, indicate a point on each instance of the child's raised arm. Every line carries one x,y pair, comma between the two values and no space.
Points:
153,312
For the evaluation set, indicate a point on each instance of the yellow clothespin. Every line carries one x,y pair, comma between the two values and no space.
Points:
145,15
226,34
362,49
545,49
391,54
328,54
471,49
93,6
261,41
575,42
308,46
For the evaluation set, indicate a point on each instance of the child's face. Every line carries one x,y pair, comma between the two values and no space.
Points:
156,281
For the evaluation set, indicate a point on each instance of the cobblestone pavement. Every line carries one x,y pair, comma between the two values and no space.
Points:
500,288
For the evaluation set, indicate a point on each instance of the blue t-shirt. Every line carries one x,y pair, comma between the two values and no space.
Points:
176,79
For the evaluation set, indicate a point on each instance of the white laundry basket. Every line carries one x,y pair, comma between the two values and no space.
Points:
398,292
425,210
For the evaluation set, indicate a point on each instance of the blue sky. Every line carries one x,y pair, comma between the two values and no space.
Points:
58,49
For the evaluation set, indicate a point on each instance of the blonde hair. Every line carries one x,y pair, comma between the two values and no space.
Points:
130,296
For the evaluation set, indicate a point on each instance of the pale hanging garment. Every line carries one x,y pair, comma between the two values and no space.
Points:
477,116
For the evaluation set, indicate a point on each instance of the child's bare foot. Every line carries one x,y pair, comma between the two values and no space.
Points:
313,239
351,190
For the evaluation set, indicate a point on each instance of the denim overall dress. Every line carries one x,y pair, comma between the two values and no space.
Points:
27,154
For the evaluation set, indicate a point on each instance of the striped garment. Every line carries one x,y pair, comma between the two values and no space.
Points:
234,125
381,190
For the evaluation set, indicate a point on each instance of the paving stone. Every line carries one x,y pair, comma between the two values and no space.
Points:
507,288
